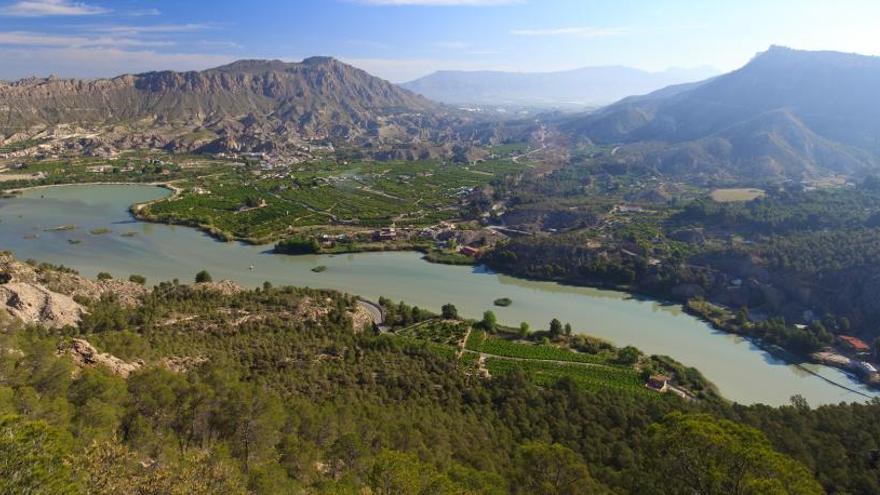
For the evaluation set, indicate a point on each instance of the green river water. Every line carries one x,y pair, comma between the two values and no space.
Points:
742,372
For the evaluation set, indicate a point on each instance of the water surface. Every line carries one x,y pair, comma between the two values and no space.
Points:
742,372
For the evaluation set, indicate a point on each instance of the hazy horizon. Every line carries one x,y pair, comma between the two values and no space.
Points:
401,40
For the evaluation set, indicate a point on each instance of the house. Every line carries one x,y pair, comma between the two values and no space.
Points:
660,383
386,234
854,343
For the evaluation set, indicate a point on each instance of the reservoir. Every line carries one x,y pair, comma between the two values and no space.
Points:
742,372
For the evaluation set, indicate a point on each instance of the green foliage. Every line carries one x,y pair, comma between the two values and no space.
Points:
298,245
489,321
701,454
105,276
32,458
552,470
138,279
203,277
449,312
263,400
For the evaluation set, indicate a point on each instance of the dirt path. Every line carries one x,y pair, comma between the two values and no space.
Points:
462,346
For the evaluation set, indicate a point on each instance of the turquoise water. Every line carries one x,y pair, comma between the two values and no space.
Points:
742,372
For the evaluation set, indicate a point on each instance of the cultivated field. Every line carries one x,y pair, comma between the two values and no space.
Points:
736,194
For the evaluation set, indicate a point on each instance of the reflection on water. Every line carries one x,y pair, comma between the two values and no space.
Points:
161,252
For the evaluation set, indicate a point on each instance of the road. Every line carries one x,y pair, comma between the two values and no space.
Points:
376,312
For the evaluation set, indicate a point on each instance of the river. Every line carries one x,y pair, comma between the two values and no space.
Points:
742,372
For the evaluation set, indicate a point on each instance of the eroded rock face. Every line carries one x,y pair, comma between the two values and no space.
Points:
32,303
85,355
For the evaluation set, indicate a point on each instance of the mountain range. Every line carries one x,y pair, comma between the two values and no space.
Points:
573,89
256,105
787,114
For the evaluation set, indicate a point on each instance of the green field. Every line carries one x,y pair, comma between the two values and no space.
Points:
480,342
364,194
128,167
589,377
438,331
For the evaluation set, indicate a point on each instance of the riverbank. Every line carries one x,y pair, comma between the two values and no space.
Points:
721,324
163,252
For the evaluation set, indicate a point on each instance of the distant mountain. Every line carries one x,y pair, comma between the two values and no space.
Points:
249,104
586,87
786,114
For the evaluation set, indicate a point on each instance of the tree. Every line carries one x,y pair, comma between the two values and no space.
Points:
490,322
552,469
203,277
699,454
138,279
555,328
523,330
628,355
742,316
32,458
104,276
449,312
567,330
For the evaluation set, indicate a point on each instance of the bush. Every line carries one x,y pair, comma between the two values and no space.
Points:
298,245
138,279
203,277
105,276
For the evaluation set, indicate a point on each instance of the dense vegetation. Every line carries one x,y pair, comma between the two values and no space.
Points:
272,391
796,254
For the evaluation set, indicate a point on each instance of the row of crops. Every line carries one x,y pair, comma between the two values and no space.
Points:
439,331
479,341
596,377
372,194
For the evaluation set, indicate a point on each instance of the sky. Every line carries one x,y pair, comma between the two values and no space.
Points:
400,40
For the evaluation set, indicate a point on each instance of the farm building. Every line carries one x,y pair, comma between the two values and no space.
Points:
659,383
854,343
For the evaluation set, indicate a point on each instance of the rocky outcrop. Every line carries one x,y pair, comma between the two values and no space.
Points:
85,355
67,282
35,304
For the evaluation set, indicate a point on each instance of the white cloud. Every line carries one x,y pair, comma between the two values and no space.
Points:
23,38
573,31
154,28
41,8
441,3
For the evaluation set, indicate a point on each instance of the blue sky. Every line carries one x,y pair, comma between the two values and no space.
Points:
403,39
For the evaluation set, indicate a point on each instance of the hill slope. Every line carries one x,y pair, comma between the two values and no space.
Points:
249,104
588,86
786,114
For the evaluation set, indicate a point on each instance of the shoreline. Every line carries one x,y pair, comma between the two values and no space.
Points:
135,211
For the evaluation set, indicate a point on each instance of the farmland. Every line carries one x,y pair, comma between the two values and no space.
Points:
128,167
261,205
545,364
736,194
598,377
480,342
